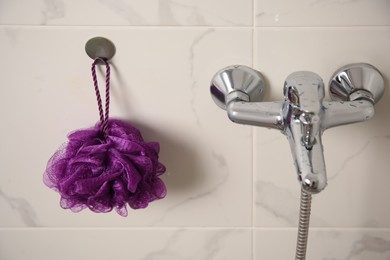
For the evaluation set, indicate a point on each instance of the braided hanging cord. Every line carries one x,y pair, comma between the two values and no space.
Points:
103,115
107,166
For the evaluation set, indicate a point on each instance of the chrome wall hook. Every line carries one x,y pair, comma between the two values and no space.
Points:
100,47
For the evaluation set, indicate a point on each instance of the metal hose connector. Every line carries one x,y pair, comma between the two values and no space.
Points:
303,227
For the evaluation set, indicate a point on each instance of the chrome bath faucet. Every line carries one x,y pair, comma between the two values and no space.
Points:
303,115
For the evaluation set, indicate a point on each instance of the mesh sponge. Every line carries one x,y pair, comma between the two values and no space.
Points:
105,171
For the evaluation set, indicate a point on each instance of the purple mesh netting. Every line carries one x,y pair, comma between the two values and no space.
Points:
105,173
106,166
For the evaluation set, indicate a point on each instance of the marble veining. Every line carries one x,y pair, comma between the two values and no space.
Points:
369,243
201,194
165,13
312,13
53,9
127,12
367,246
195,16
22,208
232,190
124,10
12,36
209,247
192,61
281,203
168,251
220,159
276,16
349,159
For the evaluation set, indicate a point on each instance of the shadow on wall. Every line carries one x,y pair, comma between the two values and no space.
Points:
268,96
176,154
383,105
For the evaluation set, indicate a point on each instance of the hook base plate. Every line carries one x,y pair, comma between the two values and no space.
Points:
100,47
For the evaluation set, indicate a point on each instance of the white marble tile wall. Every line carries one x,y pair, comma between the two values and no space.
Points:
232,189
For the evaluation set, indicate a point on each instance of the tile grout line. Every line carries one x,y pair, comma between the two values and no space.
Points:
253,26
196,228
253,138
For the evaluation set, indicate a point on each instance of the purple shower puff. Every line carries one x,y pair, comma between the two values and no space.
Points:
103,173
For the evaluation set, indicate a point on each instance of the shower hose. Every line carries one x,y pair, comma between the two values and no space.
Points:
303,227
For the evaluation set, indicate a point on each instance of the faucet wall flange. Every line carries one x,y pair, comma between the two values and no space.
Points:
357,81
303,115
236,83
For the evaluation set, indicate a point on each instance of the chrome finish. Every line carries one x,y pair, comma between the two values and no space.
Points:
356,82
237,82
342,113
303,115
100,47
265,114
245,86
303,226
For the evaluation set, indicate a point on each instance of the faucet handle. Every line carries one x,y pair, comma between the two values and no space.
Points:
355,82
362,86
236,82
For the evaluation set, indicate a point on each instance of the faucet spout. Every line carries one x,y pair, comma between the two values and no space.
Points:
309,163
302,114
